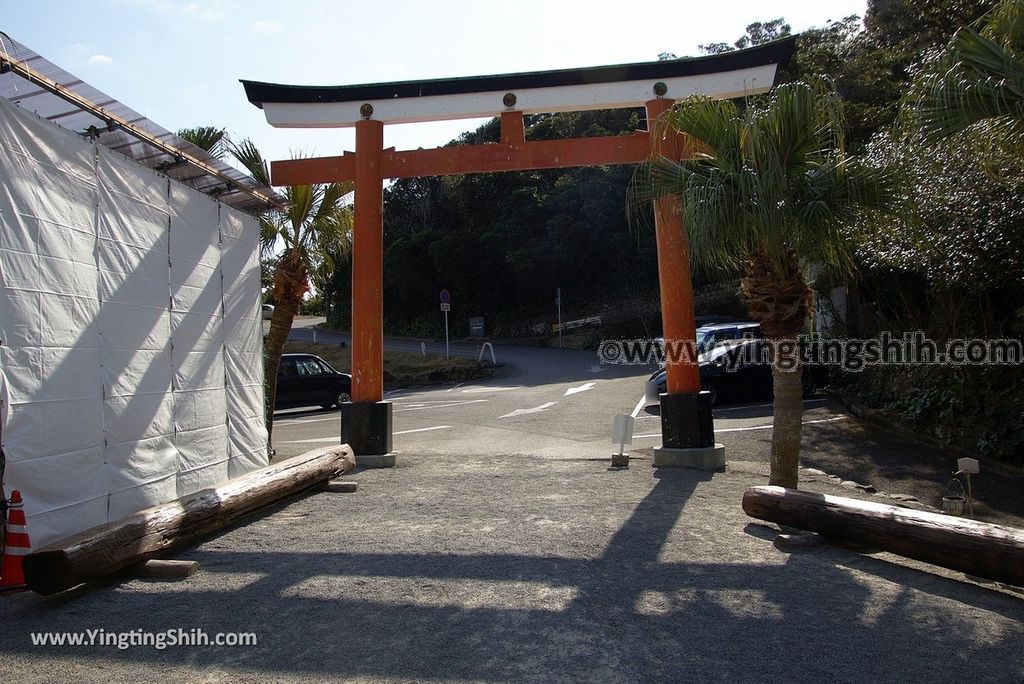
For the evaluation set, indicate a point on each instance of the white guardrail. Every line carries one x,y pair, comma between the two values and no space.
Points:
578,323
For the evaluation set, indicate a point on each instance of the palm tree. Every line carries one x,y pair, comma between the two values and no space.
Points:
317,224
209,138
978,78
769,191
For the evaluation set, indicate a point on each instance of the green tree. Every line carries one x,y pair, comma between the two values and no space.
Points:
756,33
502,242
770,192
316,225
978,79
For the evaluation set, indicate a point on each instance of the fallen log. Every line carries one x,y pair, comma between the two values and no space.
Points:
981,549
105,549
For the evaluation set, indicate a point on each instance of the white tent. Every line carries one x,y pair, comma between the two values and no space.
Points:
130,327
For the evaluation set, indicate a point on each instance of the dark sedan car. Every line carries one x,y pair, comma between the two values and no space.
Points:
748,379
308,380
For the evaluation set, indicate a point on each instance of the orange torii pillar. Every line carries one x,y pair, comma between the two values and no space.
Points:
687,427
366,423
687,432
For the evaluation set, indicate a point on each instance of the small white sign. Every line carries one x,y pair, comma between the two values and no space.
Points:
446,306
968,465
622,430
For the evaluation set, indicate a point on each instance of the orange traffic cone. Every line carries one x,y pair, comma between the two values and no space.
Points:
16,546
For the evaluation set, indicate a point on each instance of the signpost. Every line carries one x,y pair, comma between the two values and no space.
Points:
558,305
446,306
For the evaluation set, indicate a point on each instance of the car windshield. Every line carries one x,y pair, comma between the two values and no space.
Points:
709,338
723,349
705,341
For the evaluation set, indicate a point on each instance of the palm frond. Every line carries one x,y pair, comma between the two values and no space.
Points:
772,180
333,234
333,194
980,77
1005,24
270,233
210,138
248,155
715,124
302,204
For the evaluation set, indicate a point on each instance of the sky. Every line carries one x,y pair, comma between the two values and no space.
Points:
179,63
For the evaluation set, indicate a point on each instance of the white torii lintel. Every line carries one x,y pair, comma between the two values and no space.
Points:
724,76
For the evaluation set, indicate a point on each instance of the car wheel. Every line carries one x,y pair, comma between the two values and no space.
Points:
339,399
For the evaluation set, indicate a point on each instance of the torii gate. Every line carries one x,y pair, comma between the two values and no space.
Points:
687,429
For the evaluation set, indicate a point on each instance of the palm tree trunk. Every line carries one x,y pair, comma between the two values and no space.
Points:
778,297
290,285
786,427
280,326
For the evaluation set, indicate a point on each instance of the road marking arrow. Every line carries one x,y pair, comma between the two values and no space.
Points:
535,409
582,388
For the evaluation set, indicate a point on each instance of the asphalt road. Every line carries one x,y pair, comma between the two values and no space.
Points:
560,404
551,403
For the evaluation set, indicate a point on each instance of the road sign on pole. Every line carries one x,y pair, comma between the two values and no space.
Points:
558,305
446,306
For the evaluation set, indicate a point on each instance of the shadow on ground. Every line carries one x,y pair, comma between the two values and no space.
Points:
519,570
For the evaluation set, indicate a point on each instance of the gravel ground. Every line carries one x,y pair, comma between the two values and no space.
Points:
522,569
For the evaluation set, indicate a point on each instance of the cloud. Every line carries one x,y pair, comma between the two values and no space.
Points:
205,11
265,26
78,54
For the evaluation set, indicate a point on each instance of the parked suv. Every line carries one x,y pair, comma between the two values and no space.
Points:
308,380
747,381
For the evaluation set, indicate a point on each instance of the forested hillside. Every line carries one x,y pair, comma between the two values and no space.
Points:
501,243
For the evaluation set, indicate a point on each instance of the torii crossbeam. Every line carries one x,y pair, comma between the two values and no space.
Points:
687,429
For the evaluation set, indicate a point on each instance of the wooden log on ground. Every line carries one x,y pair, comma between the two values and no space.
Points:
105,549
985,550
342,486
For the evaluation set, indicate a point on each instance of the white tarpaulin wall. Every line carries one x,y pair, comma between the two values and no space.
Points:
131,329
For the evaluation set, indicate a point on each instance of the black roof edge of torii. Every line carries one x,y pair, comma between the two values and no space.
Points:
776,52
